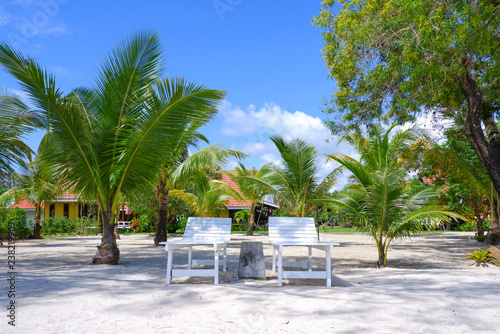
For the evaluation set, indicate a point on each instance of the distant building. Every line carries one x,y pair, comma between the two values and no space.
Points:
67,205
263,210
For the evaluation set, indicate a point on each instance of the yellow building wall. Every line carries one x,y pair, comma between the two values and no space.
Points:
59,209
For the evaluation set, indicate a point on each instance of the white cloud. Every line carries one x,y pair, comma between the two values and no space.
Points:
4,17
251,128
258,125
53,29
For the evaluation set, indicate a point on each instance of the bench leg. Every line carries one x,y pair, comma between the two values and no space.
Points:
216,265
328,268
310,258
224,267
170,258
274,260
190,257
280,265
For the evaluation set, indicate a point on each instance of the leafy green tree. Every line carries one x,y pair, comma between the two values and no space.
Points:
295,178
396,59
253,185
109,140
380,200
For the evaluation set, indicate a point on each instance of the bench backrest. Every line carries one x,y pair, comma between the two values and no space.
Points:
292,229
207,229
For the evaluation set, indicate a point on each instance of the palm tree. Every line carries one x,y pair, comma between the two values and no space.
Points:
110,140
209,197
181,167
254,186
39,185
295,178
379,199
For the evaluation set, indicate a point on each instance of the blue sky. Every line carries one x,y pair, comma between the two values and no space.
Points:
265,54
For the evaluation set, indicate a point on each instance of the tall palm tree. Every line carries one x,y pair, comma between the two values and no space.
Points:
109,140
253,185
296,177
379,199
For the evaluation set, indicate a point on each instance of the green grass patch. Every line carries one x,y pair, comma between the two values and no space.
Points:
338,230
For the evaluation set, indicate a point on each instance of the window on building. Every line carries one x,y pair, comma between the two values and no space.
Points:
52,210
66,210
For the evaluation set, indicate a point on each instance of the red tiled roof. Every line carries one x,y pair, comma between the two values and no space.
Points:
24,204
232,202
67,195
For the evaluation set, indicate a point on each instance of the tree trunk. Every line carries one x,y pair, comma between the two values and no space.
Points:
36,229
36,225
493,236
107,252
161,226
382,261
251,225
488,152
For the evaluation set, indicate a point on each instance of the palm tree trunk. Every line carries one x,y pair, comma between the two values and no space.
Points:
251,225
161,226
36,225
382,256
107,252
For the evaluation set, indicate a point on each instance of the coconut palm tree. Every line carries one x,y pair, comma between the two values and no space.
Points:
380,200
253,185
295,178
110,140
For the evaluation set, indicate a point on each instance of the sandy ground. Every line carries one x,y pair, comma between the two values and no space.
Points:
429,287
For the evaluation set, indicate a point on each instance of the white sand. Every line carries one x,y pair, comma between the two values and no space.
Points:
429,288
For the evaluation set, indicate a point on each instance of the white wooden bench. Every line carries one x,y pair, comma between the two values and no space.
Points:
293,231
214,232
123,224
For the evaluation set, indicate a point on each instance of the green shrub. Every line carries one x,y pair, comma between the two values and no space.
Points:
14,221
63,225
144,224
173,226
58,225
183,223
4,231
87,226
481,256
470,226
480,238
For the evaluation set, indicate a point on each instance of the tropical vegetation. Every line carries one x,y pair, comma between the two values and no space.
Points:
294,179
109,140
380,200
393,60
253,185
